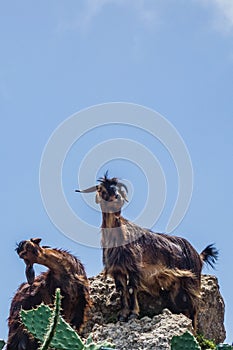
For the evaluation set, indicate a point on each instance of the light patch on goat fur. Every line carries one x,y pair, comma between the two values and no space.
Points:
130,290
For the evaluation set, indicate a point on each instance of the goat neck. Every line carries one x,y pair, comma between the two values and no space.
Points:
114,233
57,261
111,220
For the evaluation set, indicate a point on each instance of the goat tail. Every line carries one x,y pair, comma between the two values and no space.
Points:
209,255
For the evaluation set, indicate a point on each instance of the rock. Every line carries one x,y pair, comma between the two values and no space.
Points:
212,308
156,325
147,333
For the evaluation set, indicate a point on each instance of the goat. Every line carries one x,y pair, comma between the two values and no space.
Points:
66,272
141,260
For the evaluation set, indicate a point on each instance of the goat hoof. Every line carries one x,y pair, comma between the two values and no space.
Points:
122,318
133,316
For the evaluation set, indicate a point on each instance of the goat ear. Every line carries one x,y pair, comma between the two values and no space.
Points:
36,240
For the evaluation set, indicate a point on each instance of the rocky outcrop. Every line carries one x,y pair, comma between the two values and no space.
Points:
145,334
211,310
156,325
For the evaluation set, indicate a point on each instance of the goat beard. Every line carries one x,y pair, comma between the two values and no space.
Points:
30,273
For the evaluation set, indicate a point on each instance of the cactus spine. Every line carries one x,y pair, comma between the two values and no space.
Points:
48,326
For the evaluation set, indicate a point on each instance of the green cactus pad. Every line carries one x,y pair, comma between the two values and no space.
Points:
224,347
184,342
65,337
37,320
2,344
48,326
53,321
37,323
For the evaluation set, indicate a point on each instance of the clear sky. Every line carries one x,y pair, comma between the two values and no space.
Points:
57,58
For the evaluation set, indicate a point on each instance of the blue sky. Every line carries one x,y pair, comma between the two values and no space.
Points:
59,57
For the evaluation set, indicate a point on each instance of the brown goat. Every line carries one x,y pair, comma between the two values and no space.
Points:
66,272
141,260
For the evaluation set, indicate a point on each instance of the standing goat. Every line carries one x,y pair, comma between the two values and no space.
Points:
140,260
65,272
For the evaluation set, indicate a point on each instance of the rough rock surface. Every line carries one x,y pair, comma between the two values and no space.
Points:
156,325
211,310
147,333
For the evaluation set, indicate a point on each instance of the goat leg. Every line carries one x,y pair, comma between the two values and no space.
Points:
133,299
121,287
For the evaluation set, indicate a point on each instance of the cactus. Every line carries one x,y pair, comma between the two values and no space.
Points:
37,320
48,326
53,322
2,344
184,342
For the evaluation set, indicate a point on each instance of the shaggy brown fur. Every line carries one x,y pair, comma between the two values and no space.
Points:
141,260
66,272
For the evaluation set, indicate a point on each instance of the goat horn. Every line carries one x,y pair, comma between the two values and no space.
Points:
88,190
120,184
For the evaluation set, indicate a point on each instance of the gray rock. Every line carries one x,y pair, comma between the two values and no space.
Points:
156,325
145,333
211,310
